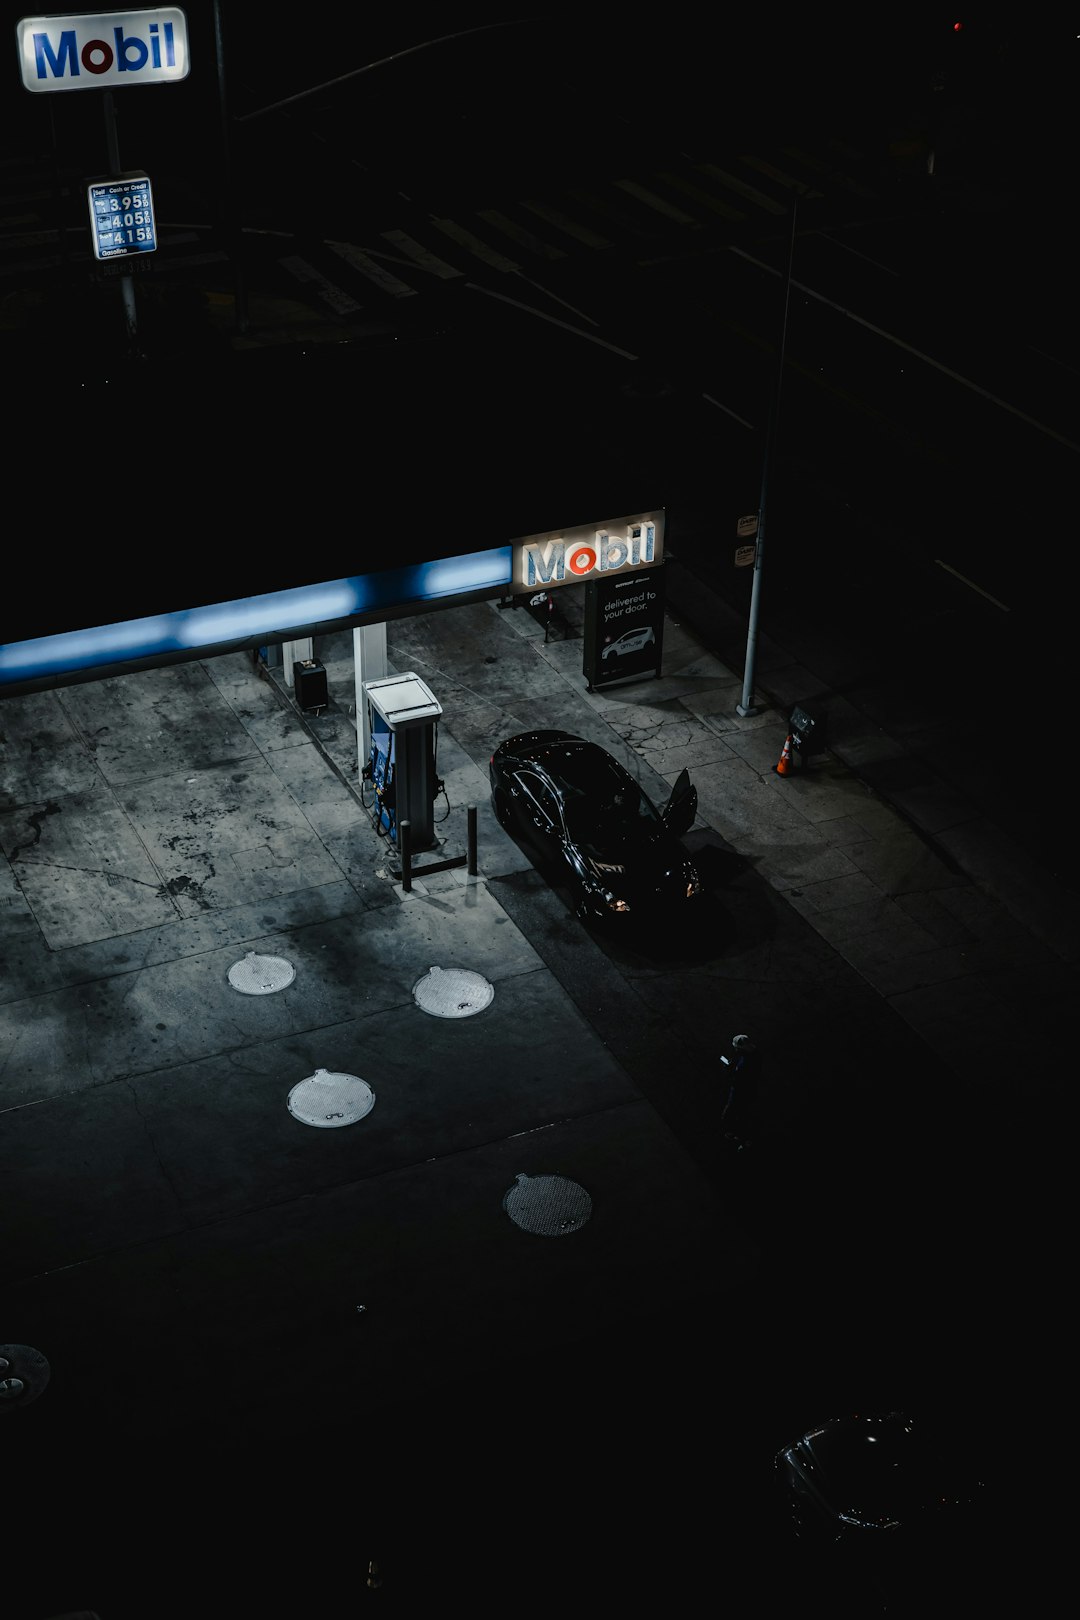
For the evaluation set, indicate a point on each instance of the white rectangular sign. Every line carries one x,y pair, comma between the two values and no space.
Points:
100,52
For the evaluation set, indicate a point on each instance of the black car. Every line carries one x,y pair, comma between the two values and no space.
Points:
891,1509
573,806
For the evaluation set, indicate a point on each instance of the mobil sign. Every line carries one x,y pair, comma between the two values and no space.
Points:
595,550
94,52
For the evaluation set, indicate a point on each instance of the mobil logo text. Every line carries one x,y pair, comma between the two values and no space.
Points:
96,52
589,551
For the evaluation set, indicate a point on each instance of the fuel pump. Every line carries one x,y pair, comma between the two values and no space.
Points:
402,715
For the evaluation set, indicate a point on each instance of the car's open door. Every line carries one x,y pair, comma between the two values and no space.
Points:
679,812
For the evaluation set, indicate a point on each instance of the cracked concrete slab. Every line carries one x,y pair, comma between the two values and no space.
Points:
228,836
44,755
83,869
174,719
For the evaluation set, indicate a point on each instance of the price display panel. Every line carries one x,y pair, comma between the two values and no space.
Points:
122,217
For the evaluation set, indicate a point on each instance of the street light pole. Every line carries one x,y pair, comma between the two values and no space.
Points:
227,205
127,286
747,707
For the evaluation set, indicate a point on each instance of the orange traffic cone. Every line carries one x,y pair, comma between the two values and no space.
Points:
784,767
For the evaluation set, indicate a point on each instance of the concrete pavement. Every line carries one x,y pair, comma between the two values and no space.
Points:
959,931
202,1269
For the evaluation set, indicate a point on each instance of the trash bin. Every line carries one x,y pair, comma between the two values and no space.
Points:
807,731
309,679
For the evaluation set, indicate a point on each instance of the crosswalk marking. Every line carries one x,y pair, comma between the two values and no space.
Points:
607,211
782,179
420,255
662,206
466,239
848,154
835,176
632,213
517,233
333,296
741,187
384,279
569,227
697,190
695,193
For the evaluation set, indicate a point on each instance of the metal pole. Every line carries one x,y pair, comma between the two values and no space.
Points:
127,285
747,706
470,866
404,838
227,204
61,227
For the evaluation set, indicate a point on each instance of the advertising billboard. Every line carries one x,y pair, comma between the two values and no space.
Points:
624,627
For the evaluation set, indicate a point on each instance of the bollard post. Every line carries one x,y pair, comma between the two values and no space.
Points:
471,841
403,833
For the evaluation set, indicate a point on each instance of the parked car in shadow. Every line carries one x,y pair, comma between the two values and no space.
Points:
578,812
891,1512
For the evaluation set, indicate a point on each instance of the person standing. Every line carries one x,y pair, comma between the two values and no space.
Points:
738,1117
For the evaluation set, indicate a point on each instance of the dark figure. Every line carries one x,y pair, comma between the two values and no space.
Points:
738,1119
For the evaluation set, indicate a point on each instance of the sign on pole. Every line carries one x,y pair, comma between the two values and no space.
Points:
122,216
747,526
103,51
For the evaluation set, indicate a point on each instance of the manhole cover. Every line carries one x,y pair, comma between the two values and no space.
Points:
24,1372
327,1099
453,992
261,975
548,1205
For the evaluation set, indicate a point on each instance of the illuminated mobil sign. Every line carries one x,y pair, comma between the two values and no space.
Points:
565,556
97,52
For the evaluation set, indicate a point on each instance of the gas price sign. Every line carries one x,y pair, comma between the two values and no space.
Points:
122,216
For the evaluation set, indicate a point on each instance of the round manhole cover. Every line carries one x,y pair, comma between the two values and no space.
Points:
257,975
327,1099
24,1372
548,1205
453,992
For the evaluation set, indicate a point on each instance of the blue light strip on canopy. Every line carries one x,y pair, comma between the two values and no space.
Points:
170,635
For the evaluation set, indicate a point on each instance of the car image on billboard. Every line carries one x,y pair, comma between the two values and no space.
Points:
633,641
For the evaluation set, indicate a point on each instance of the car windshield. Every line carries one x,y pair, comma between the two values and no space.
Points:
598,793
